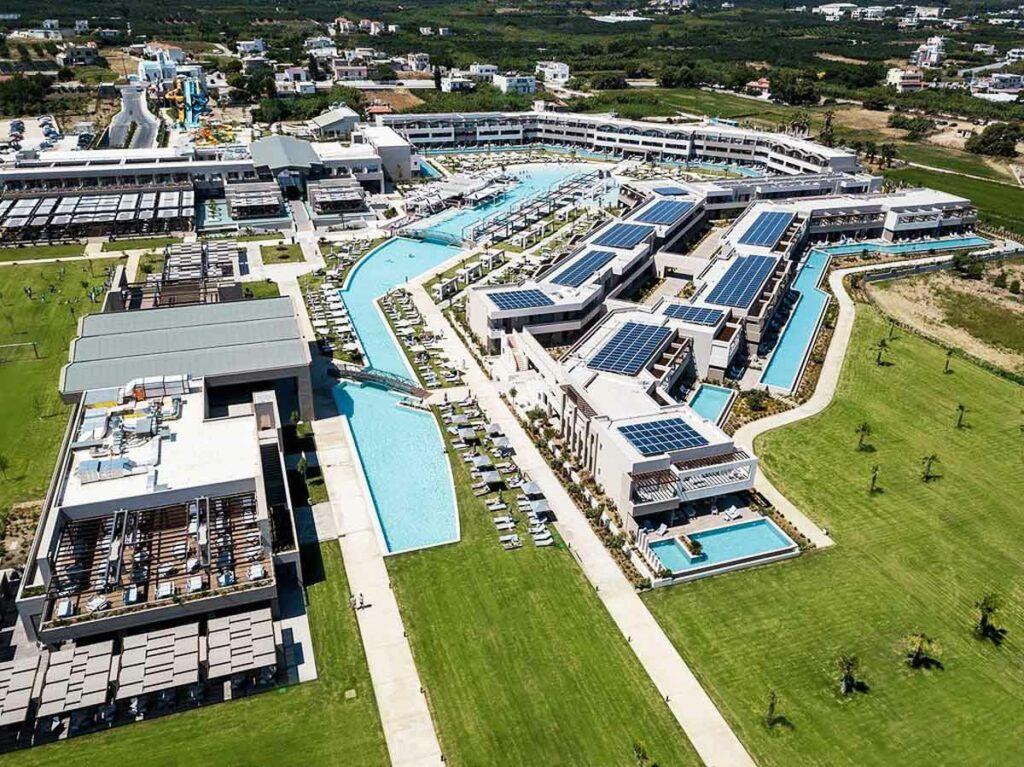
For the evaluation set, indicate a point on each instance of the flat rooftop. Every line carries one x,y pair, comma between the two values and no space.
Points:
188,452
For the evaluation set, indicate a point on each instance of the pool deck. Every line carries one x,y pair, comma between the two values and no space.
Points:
705,522
708,731
409,730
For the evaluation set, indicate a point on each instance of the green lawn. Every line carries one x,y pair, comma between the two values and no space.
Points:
950,159
284,253
914,557
521,662
141,243
261,289
34,252
32,415
308,724
983,318
998,204
654,102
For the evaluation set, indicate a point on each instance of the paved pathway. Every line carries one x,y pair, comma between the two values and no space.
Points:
828,380
703,724
405,716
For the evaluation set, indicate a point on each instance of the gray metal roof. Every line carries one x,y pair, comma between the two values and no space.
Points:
158,660
200,340
282,152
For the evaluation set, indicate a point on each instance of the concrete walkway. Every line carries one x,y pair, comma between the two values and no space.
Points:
405,716
702,722
825,390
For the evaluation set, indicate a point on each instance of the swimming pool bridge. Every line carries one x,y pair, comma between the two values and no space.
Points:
383,378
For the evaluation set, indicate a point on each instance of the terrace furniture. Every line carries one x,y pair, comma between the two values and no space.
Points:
257,572
165,590
64,608
226,578
98,603
131,595
194,584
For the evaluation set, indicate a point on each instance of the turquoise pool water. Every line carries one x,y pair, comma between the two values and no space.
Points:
400,448
533,179
711,401
413,497
784,367
926,246
787,360
739,541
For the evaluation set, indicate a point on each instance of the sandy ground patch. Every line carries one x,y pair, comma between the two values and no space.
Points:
18,532
837,57
858,118
915,302
398,99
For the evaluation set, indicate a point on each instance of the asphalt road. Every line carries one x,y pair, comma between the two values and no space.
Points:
134,110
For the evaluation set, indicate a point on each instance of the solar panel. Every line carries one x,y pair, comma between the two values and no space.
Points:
520,299
742,281
576,273
766,229
664,212
695,315
669,191
656,437
630,348
626,236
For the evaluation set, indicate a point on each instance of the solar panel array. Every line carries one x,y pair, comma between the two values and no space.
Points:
695,315
576,273
520,299
655,437
766,229
625,236
742,282
630,348
664,212
670,191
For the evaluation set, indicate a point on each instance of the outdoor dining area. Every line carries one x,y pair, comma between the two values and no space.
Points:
517,505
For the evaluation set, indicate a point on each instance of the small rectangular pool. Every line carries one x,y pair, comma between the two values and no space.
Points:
711,402
741,543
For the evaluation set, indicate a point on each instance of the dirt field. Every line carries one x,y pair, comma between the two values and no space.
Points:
837,57
398,99
857,118
921,303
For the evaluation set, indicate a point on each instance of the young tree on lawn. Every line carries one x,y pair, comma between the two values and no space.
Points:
863,432
961,411
922,650
927,462
880,348
987,607
4,465
848,666
874,478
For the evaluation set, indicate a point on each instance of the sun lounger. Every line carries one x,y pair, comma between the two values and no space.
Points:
505,525
549,541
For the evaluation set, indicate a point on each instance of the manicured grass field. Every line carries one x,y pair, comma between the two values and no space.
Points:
284,253
912,558
998,204
655,102
521,662
34,252
950,159
31,413
308,724
141,243
261,289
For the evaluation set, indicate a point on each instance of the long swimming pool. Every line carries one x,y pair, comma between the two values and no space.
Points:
787,361
401,449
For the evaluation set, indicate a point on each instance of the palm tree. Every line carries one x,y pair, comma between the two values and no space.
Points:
927,462
863,431
986,607
922,650
961,411
770,717
848,665
949,356
874,478
880,348
639,753
870,150
888,152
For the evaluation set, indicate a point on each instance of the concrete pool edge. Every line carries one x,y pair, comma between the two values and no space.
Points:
378,528
735,564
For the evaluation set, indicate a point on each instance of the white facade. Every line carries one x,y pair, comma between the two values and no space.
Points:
515,82
554,72
250,47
